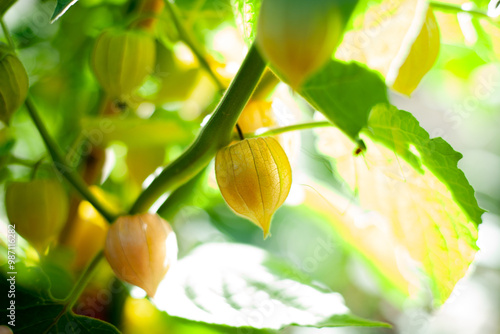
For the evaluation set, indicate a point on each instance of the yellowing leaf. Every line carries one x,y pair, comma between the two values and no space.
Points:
423,54
400,39
418,201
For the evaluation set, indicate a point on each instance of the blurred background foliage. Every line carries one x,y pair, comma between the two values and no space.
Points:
458,100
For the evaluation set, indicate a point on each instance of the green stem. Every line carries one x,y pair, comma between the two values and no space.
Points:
186,38
83,281
7,35
266,86
215,134
78,288
36,166
277,131
13,160
449,7
59,162
182,196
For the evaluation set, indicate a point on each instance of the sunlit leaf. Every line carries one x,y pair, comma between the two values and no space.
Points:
61,8
244,286
419,202
345,94
400,39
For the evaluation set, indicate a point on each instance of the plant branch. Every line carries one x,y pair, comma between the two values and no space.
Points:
215,134
277,131
7,34
13,160
266,85
56,154
450,7
59,162
186,38
83,281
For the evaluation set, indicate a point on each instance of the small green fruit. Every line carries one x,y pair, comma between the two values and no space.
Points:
38,209
122,60
298,37
14,84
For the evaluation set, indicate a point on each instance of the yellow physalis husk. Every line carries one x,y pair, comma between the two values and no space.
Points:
122,60
140,249
298,37
254,177
13,84
38,209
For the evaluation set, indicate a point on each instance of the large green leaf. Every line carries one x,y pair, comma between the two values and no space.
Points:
345,94
244,286
401,132
36,312
418,211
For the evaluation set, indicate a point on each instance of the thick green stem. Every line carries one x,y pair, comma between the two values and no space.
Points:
64,169
186,38
450,7
277,131
214,135
181,197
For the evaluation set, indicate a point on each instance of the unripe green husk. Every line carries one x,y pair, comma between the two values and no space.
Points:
298,37
14,84
122,60
38,209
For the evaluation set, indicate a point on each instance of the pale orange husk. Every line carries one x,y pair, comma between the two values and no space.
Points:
140,249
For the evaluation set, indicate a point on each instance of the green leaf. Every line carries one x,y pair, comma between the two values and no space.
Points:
35,313
345,94
61,8
5,5
418,210
244,286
